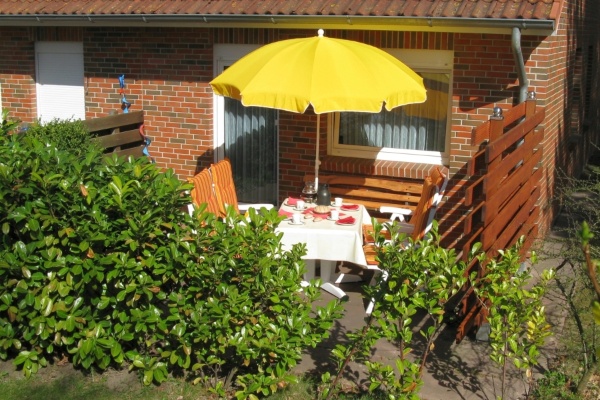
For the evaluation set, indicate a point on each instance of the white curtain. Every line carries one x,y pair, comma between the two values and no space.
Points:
411,127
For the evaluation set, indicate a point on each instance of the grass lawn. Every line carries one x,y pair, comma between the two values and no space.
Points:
64,383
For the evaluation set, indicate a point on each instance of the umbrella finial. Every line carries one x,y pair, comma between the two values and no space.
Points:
321,32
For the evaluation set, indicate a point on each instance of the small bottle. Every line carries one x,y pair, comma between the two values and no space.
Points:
323,195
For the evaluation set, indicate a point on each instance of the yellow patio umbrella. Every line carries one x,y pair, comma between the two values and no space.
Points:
436,106
328,74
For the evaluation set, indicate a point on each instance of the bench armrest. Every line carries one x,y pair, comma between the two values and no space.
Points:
396,212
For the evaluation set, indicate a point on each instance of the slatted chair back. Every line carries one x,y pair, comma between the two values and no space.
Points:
440,180
222,175
203,191
420,218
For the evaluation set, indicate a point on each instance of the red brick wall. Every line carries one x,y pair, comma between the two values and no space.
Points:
167,71
17,72
166,74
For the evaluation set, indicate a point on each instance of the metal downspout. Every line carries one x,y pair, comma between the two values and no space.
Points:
518,54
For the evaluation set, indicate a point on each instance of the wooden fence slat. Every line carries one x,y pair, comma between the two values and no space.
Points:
133,151
120,139
480,134
507,241
470,191
474,238
505,218
467,323
513,114
523,174
111,121
532,235
496,148
521,153
475,161
504,237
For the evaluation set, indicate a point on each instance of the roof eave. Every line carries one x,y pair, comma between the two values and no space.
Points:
434,24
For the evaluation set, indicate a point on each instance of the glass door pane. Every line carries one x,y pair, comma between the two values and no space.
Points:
251,143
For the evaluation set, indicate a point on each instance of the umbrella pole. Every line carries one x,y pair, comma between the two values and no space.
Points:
317,153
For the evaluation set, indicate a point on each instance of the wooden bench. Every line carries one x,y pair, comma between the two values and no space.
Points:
373,192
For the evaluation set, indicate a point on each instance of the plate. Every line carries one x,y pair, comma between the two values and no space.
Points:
349,207
345,223
300,209
318,213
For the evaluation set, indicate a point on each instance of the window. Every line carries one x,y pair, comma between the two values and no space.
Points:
412,133
59,73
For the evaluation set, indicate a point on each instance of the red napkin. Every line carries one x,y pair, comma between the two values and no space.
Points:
350,207
347,220
285,213
292,201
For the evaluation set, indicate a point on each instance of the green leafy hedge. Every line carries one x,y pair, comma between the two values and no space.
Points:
99,264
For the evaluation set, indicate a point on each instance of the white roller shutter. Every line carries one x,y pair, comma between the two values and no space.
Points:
59,73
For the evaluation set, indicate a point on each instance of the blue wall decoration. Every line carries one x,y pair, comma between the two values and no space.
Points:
147,142
124,103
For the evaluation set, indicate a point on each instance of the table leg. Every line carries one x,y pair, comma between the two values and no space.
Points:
326,270
309,275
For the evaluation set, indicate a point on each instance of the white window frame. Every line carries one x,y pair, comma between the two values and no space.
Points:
432,61
224,55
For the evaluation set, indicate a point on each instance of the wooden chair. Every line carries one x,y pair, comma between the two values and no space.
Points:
408,217
203,192
215,187
222,175
421,222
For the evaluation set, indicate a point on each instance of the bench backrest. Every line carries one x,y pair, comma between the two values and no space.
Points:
373,192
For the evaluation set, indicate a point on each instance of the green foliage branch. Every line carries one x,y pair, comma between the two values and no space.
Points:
417,279
578,201
515,312
593,269
8,125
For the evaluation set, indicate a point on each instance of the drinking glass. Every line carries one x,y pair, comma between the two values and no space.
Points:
309,192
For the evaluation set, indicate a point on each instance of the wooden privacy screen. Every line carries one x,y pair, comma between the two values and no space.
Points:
502,194
119,133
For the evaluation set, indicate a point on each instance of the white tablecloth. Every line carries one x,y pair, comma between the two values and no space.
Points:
326,240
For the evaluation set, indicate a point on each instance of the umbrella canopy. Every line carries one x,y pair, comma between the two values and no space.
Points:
328,74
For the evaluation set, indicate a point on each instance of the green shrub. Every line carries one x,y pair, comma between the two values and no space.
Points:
7,126
68,135
99,263
555,385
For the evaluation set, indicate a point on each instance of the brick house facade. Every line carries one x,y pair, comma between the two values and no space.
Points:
168,69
